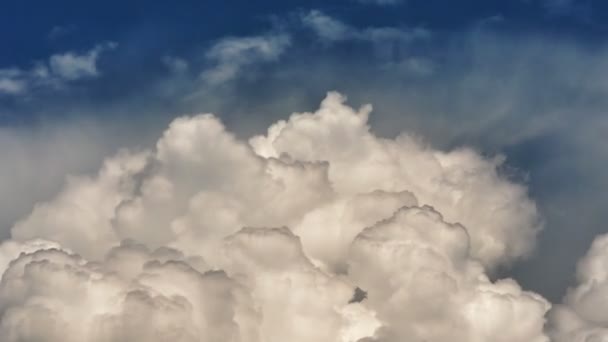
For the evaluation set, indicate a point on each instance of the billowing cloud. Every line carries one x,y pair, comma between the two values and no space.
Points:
208,237
583,317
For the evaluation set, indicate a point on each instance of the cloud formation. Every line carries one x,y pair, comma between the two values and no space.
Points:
208,237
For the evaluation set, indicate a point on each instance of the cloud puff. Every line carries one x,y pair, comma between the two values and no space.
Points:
73,66
425,286
464,187
134,294
177,243
60,69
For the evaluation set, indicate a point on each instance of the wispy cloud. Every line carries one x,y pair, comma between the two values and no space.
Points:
175,64
74,66
60,31
331,29
59,70
558,6
382,2
11,81
230,55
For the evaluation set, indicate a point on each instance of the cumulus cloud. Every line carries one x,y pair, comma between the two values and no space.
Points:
37,158
425,286
209,237
582,317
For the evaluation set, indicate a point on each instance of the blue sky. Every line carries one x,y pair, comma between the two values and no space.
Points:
523,78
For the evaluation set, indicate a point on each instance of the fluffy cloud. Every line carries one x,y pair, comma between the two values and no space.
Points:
425,286
463,186
582,317
177,243
134,294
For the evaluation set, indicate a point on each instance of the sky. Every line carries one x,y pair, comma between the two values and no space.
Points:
488,115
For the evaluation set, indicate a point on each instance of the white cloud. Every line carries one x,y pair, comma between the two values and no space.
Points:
72,66
60,69
330,29
583,316
126,254
231,55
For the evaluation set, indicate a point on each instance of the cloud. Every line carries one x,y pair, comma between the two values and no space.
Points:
382,2
175,64
330,29
11,81
230,55
60,69
174,242
582,317
424,284
72,66
59,31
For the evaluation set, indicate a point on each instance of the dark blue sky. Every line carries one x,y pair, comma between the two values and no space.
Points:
26,27
525,78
